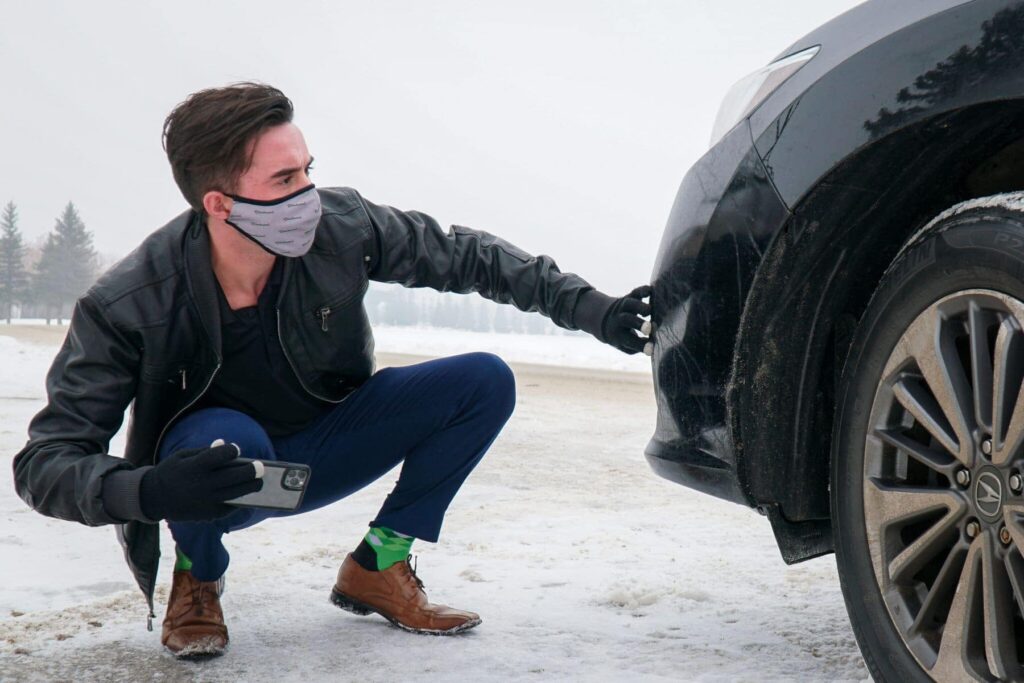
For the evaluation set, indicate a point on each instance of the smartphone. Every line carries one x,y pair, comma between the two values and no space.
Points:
284,484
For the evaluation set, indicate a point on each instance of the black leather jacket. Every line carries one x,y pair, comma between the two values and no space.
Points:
147,333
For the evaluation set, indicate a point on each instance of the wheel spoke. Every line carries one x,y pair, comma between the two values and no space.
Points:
978,321
1014,561
1012,521
920,403
1000,648
929,342
1015,570
1007,399
937,460
889,505
952,662
944,584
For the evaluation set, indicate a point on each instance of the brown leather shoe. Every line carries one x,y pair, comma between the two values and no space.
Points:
194,625
396,594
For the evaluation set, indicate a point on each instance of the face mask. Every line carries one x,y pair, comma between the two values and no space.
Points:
284,226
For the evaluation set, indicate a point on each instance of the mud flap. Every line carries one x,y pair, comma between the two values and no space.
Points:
799,541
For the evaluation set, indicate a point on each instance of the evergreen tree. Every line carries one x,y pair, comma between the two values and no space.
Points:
536,324
13,277
503,320
478,319
67,265
46,284
409,312
447,312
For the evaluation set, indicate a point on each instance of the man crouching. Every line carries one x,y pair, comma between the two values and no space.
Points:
239,329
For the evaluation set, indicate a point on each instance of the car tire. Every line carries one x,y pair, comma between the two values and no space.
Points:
931,597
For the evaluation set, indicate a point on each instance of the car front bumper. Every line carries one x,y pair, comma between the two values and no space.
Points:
724,217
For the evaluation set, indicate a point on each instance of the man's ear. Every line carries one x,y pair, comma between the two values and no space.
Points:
217,204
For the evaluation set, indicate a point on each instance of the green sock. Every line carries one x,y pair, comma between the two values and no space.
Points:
389,546
182,563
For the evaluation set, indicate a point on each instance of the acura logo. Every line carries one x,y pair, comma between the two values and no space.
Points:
988,494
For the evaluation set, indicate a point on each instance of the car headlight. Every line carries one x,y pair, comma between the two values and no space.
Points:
750,91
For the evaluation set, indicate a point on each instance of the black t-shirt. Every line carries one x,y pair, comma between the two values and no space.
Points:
255,376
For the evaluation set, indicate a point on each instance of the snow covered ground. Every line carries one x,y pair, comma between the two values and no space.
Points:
576,351
583,564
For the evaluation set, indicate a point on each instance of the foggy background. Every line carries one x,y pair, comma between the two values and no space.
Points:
564,127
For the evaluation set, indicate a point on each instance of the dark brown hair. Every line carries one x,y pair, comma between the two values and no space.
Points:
207,136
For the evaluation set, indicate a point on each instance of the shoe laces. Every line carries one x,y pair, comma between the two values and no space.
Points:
202,591
197,597
411,563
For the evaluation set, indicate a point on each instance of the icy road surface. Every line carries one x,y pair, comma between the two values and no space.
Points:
583,564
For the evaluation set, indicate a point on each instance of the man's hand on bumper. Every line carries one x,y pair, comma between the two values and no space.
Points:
617,321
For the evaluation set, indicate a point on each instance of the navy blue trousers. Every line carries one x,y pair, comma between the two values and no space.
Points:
439,417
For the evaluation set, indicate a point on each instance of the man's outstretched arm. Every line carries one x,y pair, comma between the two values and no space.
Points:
411,248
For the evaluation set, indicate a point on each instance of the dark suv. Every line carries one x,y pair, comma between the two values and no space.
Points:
839,311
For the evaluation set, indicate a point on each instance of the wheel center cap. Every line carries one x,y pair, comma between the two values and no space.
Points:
988,494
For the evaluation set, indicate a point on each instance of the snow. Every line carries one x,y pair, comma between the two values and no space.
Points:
32,321
581,351
583,564
566,351
1011,201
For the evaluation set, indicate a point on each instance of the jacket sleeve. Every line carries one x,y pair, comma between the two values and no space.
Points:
409,247
61,469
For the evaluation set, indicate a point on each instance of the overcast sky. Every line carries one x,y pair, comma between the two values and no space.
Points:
563,126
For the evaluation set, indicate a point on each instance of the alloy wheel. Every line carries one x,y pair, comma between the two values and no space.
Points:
942,486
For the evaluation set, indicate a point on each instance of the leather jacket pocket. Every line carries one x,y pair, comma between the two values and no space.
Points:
173,373
322,313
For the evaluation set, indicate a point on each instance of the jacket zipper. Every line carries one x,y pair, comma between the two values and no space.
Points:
322,315
160,438
156,449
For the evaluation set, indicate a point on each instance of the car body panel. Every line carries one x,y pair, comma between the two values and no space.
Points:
725,212
847,35
941,63
780,232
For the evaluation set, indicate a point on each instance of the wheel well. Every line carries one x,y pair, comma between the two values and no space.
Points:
814,283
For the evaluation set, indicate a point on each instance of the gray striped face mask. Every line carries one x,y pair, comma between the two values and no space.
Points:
285,226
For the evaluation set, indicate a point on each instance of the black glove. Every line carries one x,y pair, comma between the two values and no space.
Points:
615,321
192,484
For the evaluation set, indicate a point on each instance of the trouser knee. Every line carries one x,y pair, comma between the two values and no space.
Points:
203,427
493,382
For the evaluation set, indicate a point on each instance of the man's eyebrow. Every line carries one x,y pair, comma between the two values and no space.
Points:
288,171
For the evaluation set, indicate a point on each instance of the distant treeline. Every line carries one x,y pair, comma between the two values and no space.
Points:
388,304
44,282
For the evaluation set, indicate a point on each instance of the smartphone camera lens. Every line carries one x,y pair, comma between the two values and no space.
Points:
294,479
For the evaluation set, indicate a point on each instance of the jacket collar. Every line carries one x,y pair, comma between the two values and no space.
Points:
200,278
